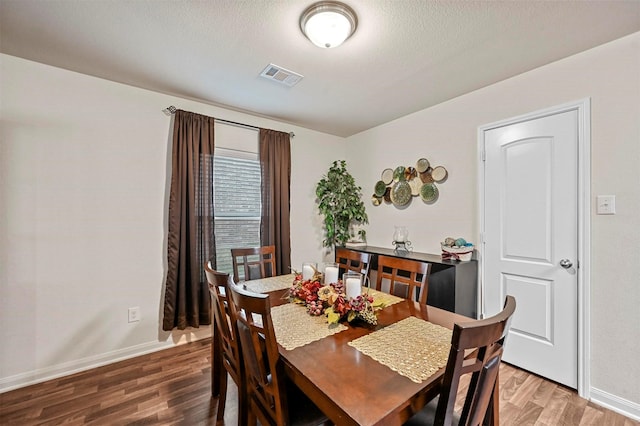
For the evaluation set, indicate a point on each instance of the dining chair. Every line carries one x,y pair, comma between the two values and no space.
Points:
229,358
476,349
407,278
255,262
273,398
352,260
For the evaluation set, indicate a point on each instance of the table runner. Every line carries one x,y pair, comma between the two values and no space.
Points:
281,282
413,348
294,327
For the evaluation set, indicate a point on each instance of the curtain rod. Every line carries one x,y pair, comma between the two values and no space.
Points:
170,110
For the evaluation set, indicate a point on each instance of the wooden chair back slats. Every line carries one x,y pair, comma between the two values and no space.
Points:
351,260
479,404
273,399
265,377
407,278
227,333
485,339
254,262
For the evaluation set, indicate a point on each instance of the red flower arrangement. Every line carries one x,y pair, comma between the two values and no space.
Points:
331,300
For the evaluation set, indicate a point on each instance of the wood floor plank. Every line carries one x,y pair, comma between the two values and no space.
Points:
508,413
612,418
550,415
529,414
574,410
75,415
172,387
526,391
592,416
543,394
506,372
511,386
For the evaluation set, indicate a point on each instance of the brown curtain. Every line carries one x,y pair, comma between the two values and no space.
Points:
275,166
191,240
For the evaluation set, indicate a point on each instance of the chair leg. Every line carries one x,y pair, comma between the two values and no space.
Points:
492,416
243,405
217,368
252,420
495,412
222,399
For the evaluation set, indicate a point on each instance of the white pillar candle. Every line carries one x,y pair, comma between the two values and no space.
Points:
330,275
307,271
353,287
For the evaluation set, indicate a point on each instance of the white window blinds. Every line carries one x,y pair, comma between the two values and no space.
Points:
237,203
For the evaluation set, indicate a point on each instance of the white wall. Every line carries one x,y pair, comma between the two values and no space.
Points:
447,135
84,171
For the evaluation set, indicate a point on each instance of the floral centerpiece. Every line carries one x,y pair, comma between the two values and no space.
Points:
331,300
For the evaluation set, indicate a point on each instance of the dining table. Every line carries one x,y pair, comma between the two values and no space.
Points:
358,373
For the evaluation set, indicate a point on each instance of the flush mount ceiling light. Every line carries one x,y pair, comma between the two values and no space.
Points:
328,23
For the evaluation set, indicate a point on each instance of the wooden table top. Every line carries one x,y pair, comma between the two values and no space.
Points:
354,389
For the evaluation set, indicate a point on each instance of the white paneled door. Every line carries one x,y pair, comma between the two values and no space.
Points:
531,240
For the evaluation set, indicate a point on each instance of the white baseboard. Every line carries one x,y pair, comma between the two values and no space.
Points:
615,403
83,364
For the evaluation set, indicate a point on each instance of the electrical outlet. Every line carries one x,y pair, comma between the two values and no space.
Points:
134,314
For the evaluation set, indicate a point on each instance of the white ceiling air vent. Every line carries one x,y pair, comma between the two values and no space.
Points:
280,75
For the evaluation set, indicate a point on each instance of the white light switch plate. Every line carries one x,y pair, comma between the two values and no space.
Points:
606,204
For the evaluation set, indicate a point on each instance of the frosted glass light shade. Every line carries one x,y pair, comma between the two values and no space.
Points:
328,24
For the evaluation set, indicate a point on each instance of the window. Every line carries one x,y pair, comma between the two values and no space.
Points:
237,203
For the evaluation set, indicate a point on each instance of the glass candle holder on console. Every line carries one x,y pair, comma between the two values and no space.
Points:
401,234
308,270
352,284
330,273
401,239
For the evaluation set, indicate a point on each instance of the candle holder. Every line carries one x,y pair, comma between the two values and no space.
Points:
330,273
352,284
402,246
401,240
309,269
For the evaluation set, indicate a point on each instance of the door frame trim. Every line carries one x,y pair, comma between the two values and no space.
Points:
583,108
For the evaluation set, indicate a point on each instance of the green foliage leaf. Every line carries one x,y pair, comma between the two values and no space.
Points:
332,317
378,305
340,201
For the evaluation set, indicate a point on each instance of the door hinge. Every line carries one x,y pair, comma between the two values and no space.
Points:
484,155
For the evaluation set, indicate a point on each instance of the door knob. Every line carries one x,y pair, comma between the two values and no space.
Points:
566,263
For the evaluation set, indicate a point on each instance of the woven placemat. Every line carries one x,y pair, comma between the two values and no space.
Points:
294,327
265,285
380,296
412,347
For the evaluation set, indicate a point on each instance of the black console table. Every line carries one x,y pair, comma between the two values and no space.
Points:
453,284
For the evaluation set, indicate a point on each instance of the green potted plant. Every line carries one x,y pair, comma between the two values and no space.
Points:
340,201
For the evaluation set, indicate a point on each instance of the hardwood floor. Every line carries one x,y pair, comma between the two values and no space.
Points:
172,387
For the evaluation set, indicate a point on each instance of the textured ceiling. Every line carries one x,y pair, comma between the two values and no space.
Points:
405,56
